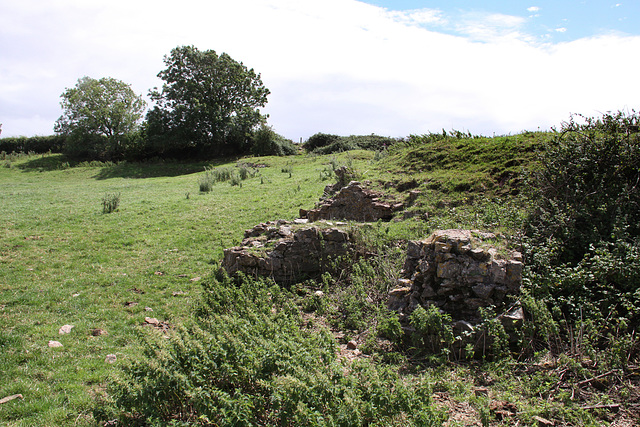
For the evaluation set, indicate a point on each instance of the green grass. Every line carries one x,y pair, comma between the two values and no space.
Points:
63,261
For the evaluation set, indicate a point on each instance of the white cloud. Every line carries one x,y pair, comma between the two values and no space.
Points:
533,9
338,66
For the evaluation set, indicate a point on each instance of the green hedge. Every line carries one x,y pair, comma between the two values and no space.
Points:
34,144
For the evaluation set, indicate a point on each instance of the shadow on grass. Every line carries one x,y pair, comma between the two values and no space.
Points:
45,162
108,170
158,169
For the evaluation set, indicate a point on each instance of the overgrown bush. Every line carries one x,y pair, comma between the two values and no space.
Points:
266,142
246,360
319,140
583,235
321,143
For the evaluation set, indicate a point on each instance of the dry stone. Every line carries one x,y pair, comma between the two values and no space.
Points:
354,202
458,272
287,251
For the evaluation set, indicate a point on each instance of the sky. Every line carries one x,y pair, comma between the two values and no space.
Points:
346,67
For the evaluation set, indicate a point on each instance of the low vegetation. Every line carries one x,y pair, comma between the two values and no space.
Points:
162,336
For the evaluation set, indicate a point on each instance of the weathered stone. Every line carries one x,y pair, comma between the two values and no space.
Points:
54,344
65,329
356,203
456,270
296,253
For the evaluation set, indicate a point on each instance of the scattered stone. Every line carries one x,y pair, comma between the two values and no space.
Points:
182,276
111,358
178,293
137,291
503,410
152,321
542,422
318,294
159,273
76,295
148,309
10,398
54,344
195,279
130,304
300,221
65,329
96,332
352,345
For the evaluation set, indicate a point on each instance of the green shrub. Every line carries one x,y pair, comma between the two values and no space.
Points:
266,142
433,329
319,140
245,360
587,187
36,144
583,234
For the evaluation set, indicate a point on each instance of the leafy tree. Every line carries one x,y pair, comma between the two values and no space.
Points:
99,117
208,104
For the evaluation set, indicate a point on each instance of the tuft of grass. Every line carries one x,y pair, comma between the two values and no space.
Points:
110,202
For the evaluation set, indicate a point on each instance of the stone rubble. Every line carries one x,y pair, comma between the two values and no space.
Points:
459,273
287,251
354,202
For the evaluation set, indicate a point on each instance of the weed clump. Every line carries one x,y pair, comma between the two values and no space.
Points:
110,202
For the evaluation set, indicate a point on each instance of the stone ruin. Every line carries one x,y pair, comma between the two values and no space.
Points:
459,272
287,251
354,202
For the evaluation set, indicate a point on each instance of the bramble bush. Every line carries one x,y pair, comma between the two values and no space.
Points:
583,235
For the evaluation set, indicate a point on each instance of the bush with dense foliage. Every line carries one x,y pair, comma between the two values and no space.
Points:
266,142
322,143
247,359
583,234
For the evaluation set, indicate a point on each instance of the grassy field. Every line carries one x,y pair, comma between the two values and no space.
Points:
63,261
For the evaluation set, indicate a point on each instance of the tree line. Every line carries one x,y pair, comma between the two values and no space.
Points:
208,106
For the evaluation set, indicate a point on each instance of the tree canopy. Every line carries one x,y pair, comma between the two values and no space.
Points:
100,117
107,107
207,104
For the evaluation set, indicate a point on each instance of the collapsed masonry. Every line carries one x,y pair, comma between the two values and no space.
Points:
354,202
459,272
288,252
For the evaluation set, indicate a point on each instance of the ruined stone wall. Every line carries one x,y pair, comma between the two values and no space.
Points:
287,252
459,272
354,203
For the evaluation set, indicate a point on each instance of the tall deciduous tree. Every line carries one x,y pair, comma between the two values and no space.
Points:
207,104
98,116
106,107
